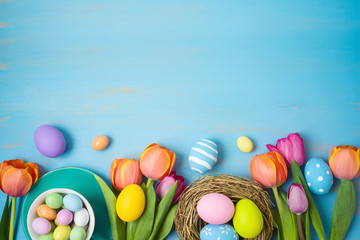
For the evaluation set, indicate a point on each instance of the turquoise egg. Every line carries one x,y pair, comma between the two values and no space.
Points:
203,156
218,232
318,176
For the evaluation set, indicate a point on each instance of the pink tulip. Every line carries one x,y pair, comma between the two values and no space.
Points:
290,148
163,187
296,199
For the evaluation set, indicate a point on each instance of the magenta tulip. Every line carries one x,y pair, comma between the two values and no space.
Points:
163,187
290,148
296,199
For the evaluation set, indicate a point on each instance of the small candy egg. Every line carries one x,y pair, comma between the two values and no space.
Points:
46,212
48,236
62,232
245,144
41,226
318,176
203,156
54,200
73,202
56,222
216,232
49,141
100,143
77,233
64,217
215,208
248,220
81,218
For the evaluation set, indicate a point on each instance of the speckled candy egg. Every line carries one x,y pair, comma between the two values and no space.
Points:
49,141
245,144
64,217
215,208
218,232
41,226
203,156
62,232
77,233
318,176
73,202
81,218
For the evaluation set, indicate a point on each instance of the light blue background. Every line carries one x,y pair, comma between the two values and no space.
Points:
173,72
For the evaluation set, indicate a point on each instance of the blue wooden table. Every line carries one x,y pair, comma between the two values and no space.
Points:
173,72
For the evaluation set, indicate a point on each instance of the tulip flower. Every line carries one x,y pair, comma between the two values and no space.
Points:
269,169
163,187
16,179
156,162
344,162
290,148
298,203
124,172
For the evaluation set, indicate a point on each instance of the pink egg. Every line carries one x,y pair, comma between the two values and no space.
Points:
64,217
215,208
41,226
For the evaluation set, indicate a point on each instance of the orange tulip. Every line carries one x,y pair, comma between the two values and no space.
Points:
344,162
156,162
17,177
124,172
269,169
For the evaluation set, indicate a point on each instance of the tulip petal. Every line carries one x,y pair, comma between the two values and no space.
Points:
155,162
130,173
16,182
33,170
163,187
281,169
344,163
263,170
272,148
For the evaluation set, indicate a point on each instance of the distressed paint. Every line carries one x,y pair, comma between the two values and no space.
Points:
177,71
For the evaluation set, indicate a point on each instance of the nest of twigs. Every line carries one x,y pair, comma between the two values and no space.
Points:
188,224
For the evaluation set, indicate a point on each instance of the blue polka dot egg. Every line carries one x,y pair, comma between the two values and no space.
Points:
218,232
318,176
203,156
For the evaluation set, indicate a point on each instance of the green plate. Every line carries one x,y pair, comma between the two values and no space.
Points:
77,179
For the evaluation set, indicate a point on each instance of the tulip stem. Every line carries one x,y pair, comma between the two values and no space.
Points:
301,232
12,218
149,183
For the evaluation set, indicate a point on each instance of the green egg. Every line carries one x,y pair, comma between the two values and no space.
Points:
248,221
78,233
54,200
48,236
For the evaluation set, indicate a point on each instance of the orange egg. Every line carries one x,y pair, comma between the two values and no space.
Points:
100,142
46,212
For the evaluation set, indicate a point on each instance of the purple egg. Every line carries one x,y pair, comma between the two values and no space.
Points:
64,217
41,226
49,141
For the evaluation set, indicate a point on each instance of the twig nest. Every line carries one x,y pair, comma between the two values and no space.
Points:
188,224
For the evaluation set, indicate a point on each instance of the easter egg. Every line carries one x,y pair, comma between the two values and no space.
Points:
100,143
54,200
77,233
81,218
218,232
248,221
64,217
46,212
203,156
48,236
215,208
49,141
245,144
62,232
73,202
318,176
130,203
41,226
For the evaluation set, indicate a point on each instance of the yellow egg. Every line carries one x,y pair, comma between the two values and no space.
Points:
245,144
248,221
130,203
62,232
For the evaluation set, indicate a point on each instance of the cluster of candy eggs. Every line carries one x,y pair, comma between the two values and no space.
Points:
61,218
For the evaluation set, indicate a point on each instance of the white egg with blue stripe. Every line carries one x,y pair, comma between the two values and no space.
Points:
203,156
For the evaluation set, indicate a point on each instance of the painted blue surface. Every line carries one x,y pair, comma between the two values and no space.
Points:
177,71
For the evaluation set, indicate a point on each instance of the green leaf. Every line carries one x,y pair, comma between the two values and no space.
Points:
314,215
305,219
167,224
162,210
343,211
277,223
5,221
117,226
130,229
145,224
293,227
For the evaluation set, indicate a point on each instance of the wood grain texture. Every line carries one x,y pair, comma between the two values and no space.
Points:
175,72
